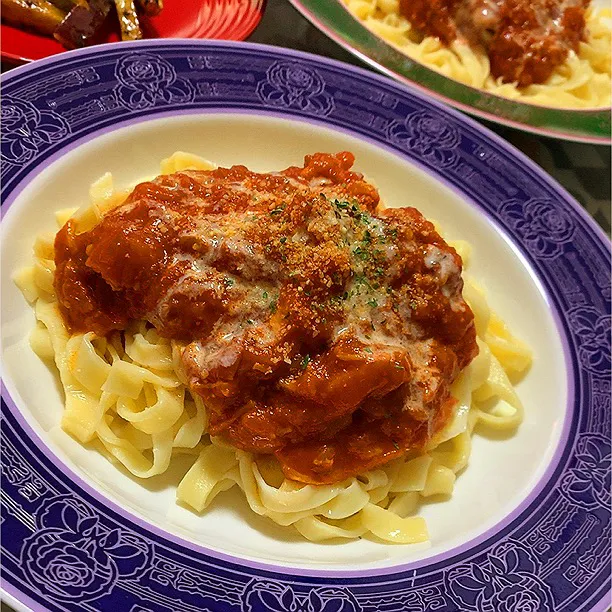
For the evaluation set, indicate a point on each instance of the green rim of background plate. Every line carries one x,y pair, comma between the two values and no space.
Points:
334,19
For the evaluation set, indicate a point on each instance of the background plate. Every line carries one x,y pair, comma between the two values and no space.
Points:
332,18
551,553
216,19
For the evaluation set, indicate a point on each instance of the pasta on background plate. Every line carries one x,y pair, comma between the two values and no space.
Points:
580,78
129,391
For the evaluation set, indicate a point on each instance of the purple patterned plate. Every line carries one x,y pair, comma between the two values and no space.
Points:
528,527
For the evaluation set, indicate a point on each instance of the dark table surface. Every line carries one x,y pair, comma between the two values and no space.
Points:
583,169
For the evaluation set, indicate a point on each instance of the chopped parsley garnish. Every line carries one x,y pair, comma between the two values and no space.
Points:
250,322
361,279
273,308
367,349
265,295
278,210
305,361
364,255
283,239
228,282
373,303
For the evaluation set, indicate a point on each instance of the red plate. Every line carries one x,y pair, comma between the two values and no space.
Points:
219,19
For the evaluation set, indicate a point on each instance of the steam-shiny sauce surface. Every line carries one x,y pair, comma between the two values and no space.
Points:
315,324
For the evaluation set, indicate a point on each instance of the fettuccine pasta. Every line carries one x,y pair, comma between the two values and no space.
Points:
582,81
125,391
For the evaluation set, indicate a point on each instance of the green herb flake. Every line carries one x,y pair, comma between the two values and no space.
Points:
305,361
265,295
278,210
373,303
359,252
367,349
283,239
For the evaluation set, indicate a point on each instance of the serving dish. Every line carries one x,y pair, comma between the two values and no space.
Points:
216,19
528,524
333,18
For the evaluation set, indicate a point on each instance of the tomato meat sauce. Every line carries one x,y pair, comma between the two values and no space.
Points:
524,39
315,324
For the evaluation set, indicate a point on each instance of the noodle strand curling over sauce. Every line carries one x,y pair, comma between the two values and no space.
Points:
315,324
